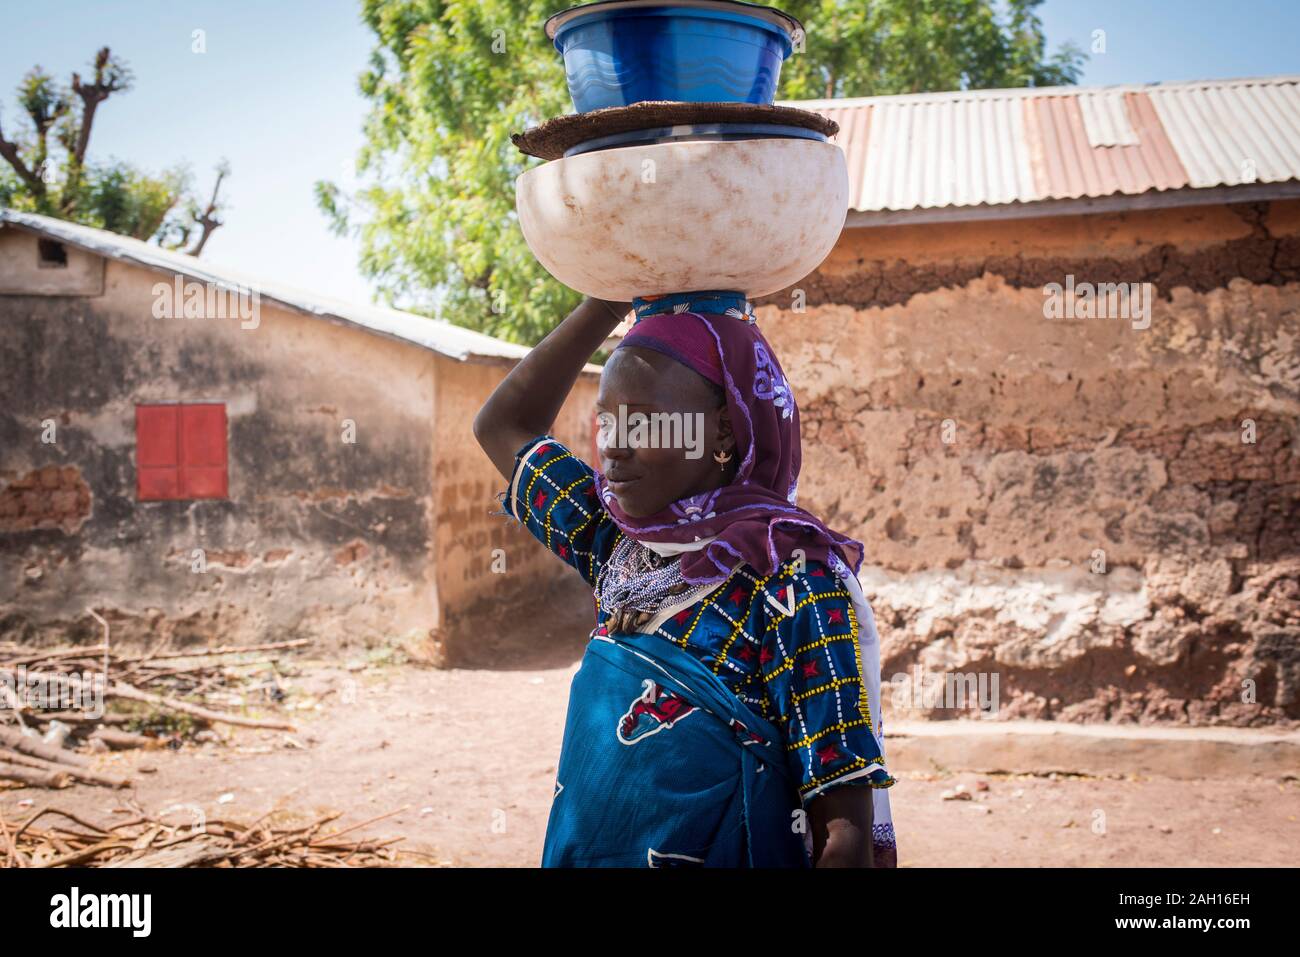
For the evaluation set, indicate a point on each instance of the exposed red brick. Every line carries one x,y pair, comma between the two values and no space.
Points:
49,497
230,559
353,551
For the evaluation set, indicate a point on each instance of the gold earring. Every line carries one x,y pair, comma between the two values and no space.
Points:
722,458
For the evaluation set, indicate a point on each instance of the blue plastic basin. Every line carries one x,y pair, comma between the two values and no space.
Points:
694,51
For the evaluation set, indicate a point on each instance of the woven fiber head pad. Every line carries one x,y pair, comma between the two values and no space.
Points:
551,139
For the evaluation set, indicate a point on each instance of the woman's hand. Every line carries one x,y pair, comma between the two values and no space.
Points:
841,826
527,401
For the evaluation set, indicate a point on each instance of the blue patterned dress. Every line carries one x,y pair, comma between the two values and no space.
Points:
767,669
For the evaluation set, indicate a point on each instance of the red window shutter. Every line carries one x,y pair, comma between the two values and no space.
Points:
180,451
203,451
157,457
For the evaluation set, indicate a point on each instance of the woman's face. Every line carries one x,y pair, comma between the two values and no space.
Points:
659,426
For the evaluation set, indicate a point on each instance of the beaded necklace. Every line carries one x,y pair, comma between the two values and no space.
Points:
637,582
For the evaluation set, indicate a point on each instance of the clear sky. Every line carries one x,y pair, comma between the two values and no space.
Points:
276,94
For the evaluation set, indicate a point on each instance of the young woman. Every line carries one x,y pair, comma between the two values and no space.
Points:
727,710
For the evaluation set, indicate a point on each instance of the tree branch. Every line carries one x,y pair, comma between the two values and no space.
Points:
10,153
208,218
110,77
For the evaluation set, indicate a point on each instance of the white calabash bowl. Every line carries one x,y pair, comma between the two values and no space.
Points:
755,216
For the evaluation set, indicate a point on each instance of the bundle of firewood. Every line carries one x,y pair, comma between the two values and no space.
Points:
53,837
163,684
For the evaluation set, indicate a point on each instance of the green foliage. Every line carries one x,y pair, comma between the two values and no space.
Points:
912,46
121,199
10,188
47,169
448,82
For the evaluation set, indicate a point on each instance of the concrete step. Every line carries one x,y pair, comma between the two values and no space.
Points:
1041,747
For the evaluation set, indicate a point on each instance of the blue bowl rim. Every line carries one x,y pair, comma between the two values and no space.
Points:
769,15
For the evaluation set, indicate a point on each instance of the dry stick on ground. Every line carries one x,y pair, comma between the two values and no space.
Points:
301,834
11,851
91,650
163,674
202,687
85,854
200,674
373,820
174,857
73,717
63,671
118,740
225,650
104,624
33,777
123,690
77,773
17,741
57,655
217,843
71,817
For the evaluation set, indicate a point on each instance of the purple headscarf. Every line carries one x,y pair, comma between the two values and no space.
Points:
755,518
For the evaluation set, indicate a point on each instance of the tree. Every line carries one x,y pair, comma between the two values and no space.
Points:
449,81
916,46
49,171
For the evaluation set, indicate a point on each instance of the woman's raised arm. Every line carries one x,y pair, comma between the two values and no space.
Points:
527,401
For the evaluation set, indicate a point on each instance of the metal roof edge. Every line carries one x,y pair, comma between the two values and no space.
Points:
589,369
1084,205
1280,79
434,335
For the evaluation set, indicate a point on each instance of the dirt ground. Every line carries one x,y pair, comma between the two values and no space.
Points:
469,756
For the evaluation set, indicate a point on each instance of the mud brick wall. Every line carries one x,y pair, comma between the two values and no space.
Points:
317,538
493,576
1106,517
384,539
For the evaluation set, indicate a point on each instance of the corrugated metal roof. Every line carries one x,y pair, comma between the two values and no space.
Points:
910,152
996,147
1105,117
1066,166
442,337
1233,134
